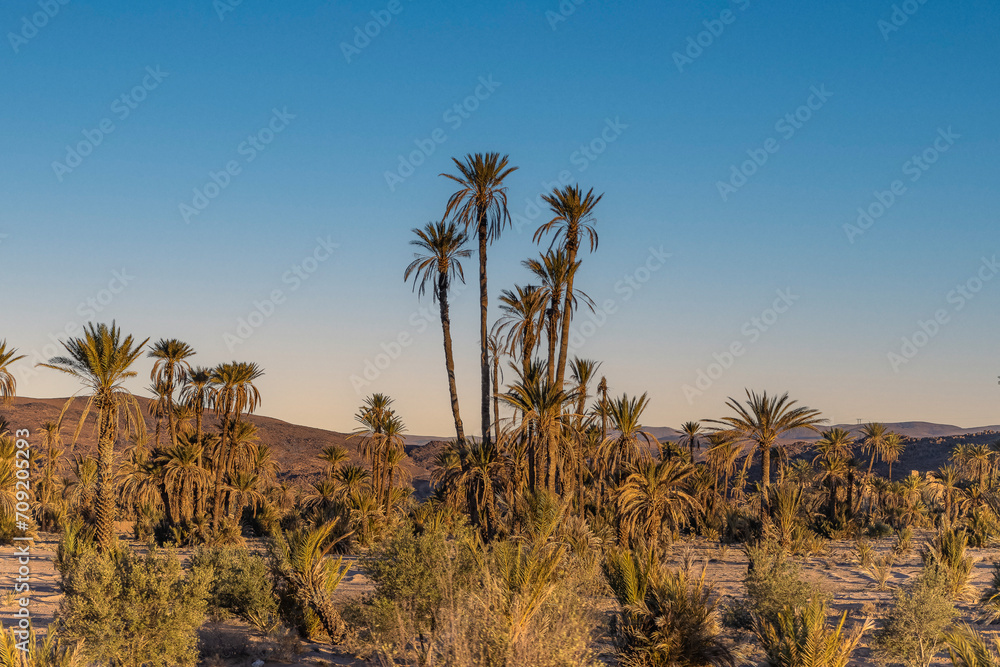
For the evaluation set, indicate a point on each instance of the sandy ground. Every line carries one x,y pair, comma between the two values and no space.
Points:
233,643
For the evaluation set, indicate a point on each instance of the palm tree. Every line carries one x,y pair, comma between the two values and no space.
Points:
722,454
442,242
102,360
334,456
522,316
692,437
763,420
893,447
8,385
653,494
624,449
47,484
602,389
171,368
554,270
873,434
195,394
185,480
574,218
481,202
232,392
583,371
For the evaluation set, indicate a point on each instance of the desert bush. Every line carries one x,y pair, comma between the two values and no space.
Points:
667,617
412,574
133,610
800,637
877,530
946,556
968,648
982,527
241,585
772,583
913,628
523,601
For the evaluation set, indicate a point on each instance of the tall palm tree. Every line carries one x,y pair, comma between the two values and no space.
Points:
763,420
602,389
554,270
195,394
232,393
481,203
8,385
522,316
574,219
102,360
439,264
873,434
171,368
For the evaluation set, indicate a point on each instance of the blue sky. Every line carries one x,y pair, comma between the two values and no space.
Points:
674,126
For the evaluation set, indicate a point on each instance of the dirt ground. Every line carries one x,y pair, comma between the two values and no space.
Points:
233,643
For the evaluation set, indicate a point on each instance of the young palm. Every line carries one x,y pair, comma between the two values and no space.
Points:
8,384
334,456
232,393
102,360
439,265
573,221
522,317
763,420
480,203
171,369
583,371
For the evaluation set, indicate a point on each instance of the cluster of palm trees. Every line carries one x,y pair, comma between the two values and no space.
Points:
195,479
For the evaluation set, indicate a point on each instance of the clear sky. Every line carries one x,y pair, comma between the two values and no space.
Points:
205,150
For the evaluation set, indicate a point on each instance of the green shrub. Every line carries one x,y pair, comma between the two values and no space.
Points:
946,558
133,610
913,628
800,637
241,585
772,583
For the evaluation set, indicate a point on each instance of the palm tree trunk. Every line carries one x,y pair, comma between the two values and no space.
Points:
553,325
484,357
220,464
765,466
496,398
567,316
106,502
449,357
170,407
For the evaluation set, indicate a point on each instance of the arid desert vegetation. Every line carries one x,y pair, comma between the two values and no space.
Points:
558,530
